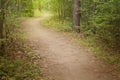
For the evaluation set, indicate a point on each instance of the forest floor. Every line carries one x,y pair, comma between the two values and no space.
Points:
63,59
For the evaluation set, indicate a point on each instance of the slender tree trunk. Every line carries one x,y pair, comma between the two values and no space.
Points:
2,3
76,15
18,5
2,17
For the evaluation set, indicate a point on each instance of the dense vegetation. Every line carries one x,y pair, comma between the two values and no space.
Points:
15,63
101,19
97,20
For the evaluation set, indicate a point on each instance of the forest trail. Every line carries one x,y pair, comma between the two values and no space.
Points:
63,59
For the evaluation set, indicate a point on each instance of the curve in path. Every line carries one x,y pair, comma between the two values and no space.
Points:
64,60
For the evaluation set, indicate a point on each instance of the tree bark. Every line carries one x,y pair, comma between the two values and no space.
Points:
2,3
2,17
76,15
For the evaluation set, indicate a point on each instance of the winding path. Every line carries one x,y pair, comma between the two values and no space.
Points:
64,59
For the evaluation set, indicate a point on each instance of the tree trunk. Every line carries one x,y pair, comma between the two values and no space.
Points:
2,3
2,17
76,15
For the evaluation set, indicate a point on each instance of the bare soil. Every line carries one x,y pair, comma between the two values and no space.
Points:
62,58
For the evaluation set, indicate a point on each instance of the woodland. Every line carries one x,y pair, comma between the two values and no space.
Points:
94,24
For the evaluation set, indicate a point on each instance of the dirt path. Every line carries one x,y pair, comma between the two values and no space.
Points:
63,59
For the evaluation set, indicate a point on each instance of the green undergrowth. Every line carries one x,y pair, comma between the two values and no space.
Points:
88,42
57,25
38,13
108,57
18,60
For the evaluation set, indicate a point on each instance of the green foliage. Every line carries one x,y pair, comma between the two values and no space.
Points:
17,69
44,5
100,19
17,61
62,9
19,8
56,25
